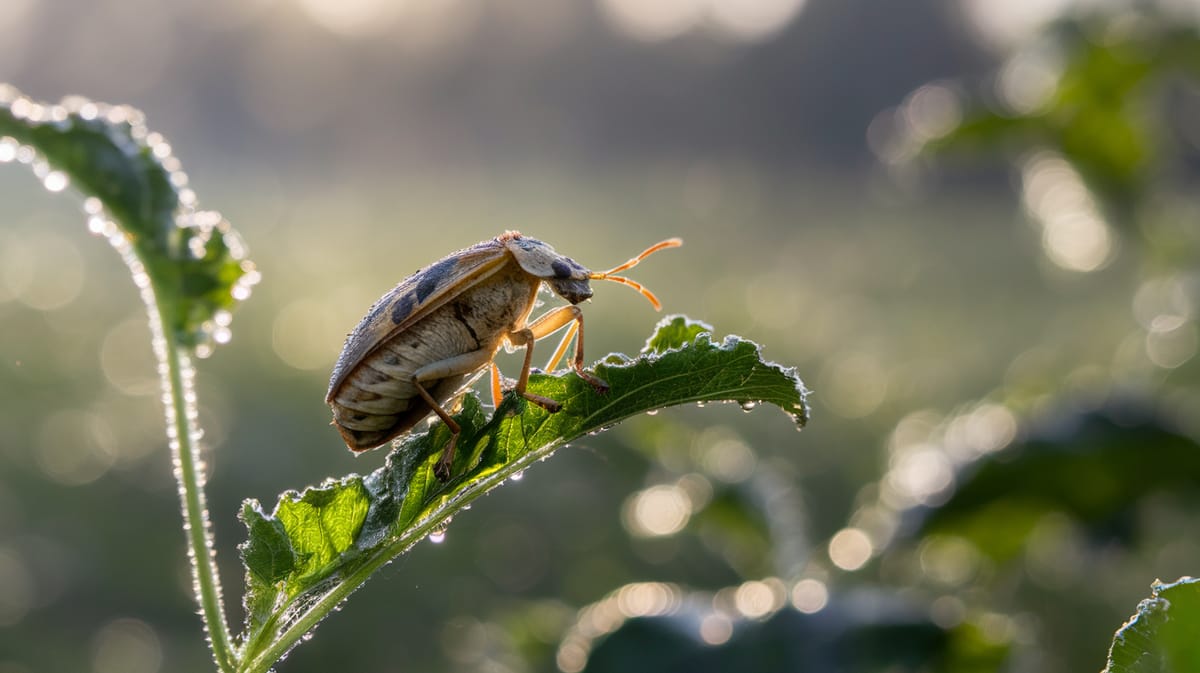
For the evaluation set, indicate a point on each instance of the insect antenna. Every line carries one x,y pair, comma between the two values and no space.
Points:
608,275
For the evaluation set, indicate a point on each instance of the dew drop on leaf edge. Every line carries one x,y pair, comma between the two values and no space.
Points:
438,535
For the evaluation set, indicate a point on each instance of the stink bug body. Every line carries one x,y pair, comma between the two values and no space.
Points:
423,342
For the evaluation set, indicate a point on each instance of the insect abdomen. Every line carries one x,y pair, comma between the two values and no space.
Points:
378,399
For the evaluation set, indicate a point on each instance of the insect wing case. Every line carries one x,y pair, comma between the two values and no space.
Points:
371,407
414,298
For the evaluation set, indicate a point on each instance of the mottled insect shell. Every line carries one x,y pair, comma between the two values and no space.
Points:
459,310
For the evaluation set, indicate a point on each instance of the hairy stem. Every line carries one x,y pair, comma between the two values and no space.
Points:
182,429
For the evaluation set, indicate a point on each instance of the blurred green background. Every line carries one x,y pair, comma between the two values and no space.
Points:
1003,445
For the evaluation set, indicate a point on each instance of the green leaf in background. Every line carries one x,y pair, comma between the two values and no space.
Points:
194,261
316,547
1162,636
1098,98
1094,467
658,627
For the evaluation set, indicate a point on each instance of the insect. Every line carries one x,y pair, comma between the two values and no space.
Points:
423,342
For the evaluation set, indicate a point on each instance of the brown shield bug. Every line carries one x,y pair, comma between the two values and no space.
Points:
422,343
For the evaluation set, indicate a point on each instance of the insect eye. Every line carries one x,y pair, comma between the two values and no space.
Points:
561,268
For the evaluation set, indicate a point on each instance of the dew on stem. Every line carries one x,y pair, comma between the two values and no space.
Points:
189,266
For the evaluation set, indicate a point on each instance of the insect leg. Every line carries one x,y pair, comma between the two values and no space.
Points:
547,324
562,347
435,371
497,391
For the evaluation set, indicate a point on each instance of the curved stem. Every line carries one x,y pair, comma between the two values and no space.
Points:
189,473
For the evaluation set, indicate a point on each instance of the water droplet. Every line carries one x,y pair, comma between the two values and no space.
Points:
748,405
652,412
8,149
438,536
55,181
518,475
701,404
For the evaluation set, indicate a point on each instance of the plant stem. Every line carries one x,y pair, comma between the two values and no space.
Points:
189,472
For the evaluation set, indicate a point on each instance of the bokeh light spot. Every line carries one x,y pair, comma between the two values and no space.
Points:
810,596
126,646
42,270
1171,342
948,560
74,447
729,459
1075,235
716,629
653,21
932,111
1027,81
352,17
304,337
757,599
129,367
853,386
850,549
645,599
1007,24
657,511
753,20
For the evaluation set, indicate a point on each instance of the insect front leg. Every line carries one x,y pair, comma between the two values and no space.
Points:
435,371
547,324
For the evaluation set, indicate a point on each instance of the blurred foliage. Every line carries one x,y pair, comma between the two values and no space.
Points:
1087,110
856,633
1097,467
1106,110
1161,637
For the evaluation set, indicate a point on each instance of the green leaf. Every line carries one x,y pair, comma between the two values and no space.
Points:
1104,113
318,546
674,332
194,260
1090,466
1161,637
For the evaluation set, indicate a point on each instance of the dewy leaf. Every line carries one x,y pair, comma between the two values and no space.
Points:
193,260
318,546
674,332
1161,637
